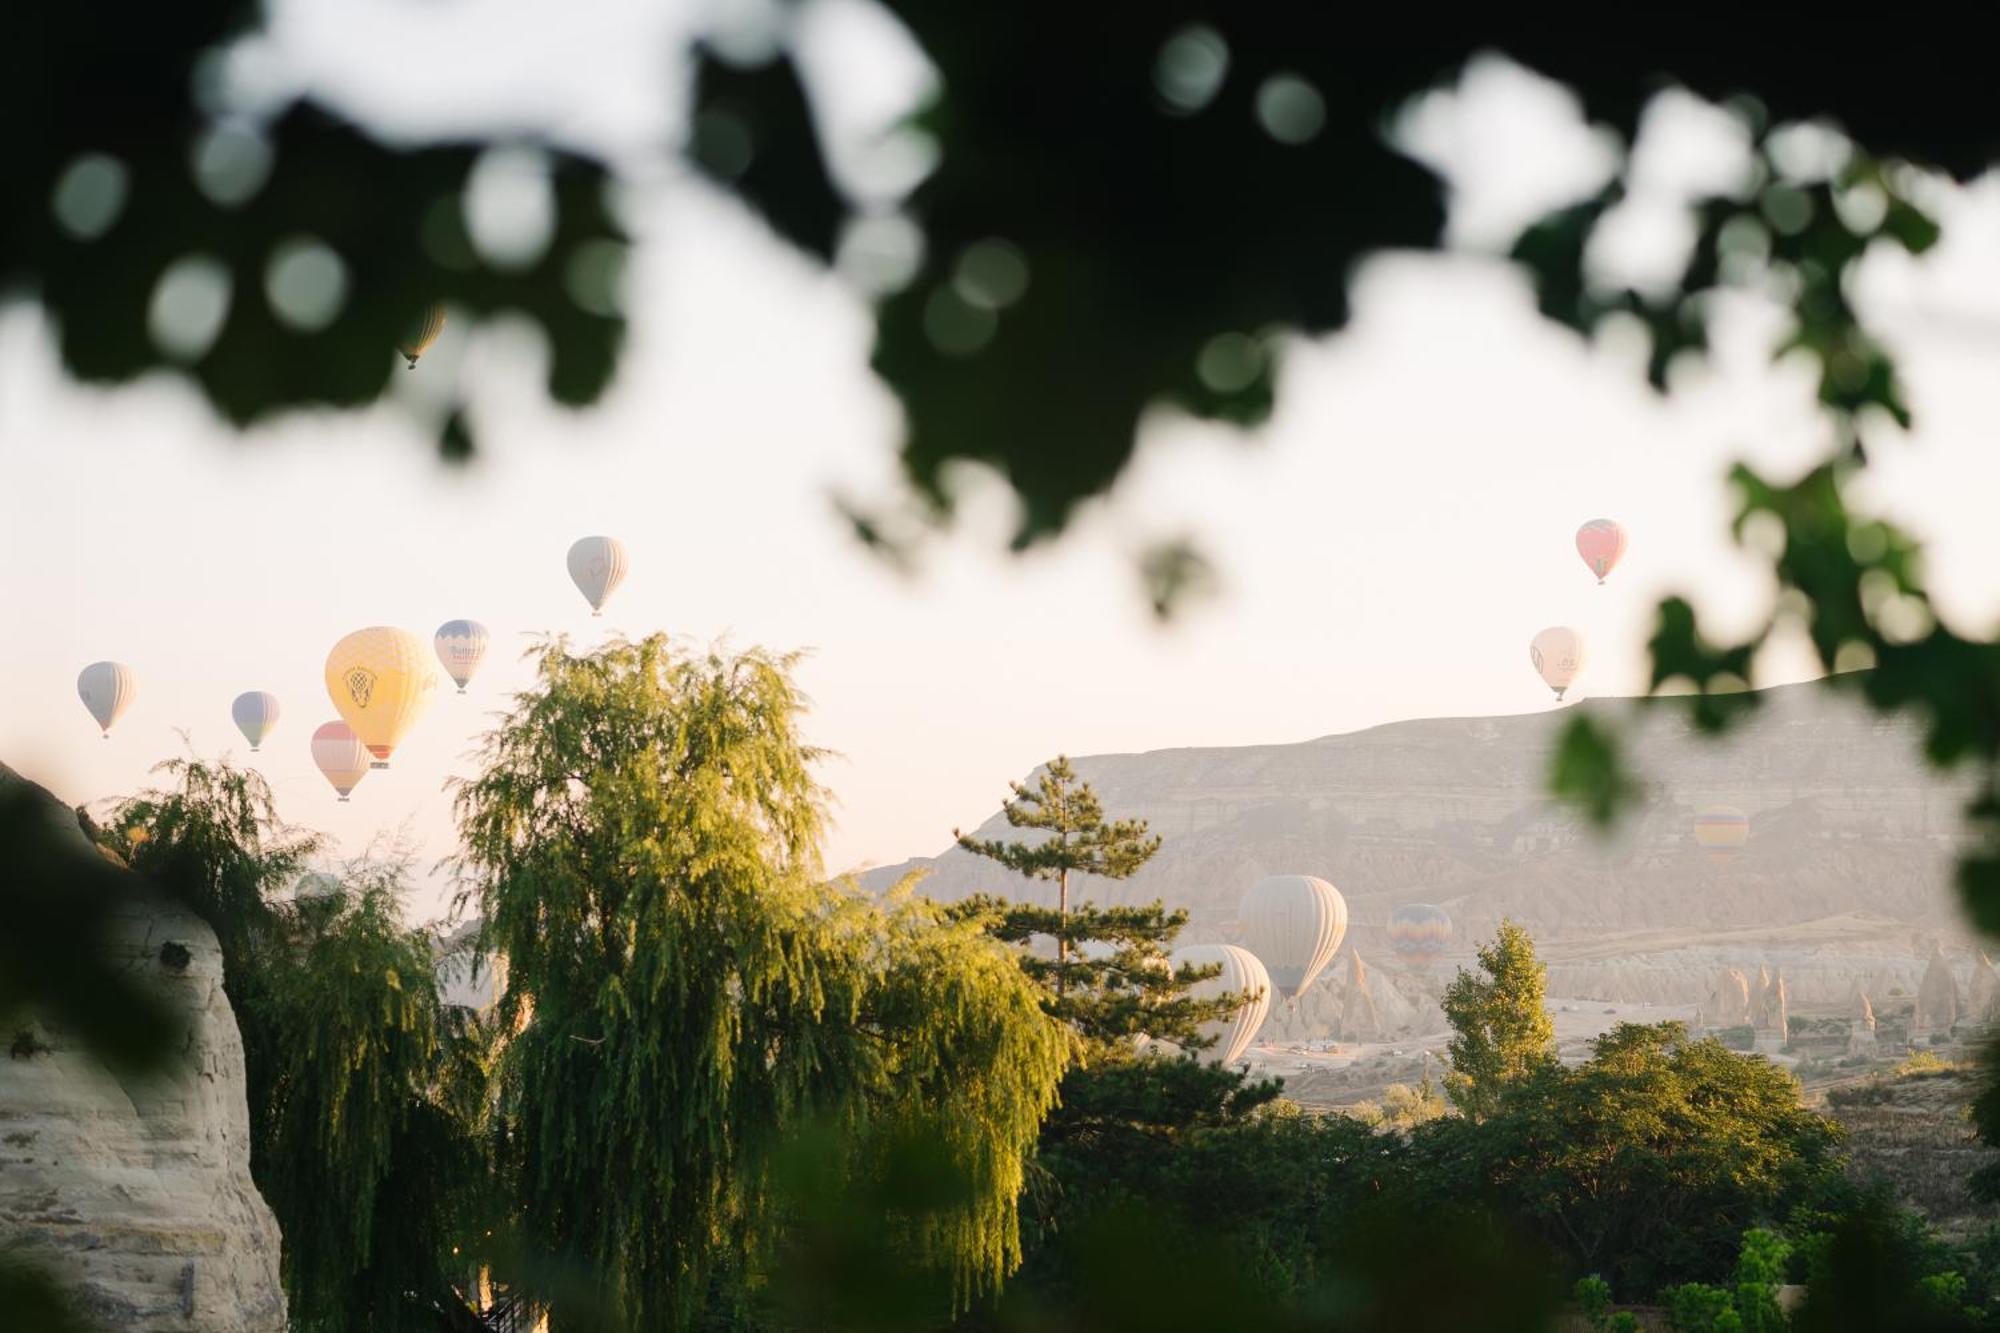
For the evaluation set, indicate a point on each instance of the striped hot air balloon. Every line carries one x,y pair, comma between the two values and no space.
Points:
1294,924
341,756
461,647
106,689
423,333
1418,933
1601,543
597,566
255,713
1721,831
1241,974
380,680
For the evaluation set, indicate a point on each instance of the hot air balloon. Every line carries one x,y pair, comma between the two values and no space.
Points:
341,756
1294,924
1721,831
597,566
1601,543
1418,933
423,333
1557,653
461,646
1241,974
317,885
256,712
106,689
381,681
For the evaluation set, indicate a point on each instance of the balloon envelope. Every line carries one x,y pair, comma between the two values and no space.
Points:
106,689
461,647
1721,830
1558,655
597,566
1294,924
1418,933
1241,974
255,712
423,333
1601,543
340,755
380,680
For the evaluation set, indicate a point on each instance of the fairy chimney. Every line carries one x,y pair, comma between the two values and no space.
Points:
1937,997
1360,1020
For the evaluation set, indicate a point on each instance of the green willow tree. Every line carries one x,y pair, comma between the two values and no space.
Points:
364,1093
1078,841
372,1100
1502,1032
686,995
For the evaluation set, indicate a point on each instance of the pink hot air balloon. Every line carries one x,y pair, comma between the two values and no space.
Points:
341,756
1601,543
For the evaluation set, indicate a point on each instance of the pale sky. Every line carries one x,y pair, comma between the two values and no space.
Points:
1388,543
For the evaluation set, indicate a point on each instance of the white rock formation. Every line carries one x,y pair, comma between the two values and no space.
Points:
1937,997
1360,1018
1985,990
1860,1023
137,1192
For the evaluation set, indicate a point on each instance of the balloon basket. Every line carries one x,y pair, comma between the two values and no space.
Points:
379,763
343,800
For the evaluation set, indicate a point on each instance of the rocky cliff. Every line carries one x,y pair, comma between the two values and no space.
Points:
136,1192
1845,873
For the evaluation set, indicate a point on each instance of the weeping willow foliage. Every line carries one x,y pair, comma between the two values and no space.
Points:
372,1098
366,1095
686,995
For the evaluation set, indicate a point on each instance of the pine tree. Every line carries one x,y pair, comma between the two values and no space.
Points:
1502,1028
1079,841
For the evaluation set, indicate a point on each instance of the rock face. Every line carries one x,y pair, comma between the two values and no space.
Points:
1360,1018
137,1192
1937,998
1846,872
1861,1023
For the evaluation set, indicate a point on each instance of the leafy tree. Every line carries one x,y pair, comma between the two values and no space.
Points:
365,1096
1648,1162
1077,841
214,838
1503,1032
686,994
372,1106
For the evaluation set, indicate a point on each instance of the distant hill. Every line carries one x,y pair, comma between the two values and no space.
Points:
1847,870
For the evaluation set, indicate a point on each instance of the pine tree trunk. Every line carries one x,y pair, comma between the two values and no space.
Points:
1062,938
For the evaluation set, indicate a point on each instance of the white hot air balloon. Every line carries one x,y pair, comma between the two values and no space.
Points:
255,712
461,647
106,689
1294,924
341,756
1558,655
597,566
1241,974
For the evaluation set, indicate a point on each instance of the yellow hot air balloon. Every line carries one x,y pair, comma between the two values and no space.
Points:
381,680
423,333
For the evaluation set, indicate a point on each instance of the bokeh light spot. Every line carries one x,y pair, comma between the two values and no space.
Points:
306,283
1290,109
231,163
510,207
1191,67
880,254
189,303
955,326
991,273
90,194
595,277
1230,362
